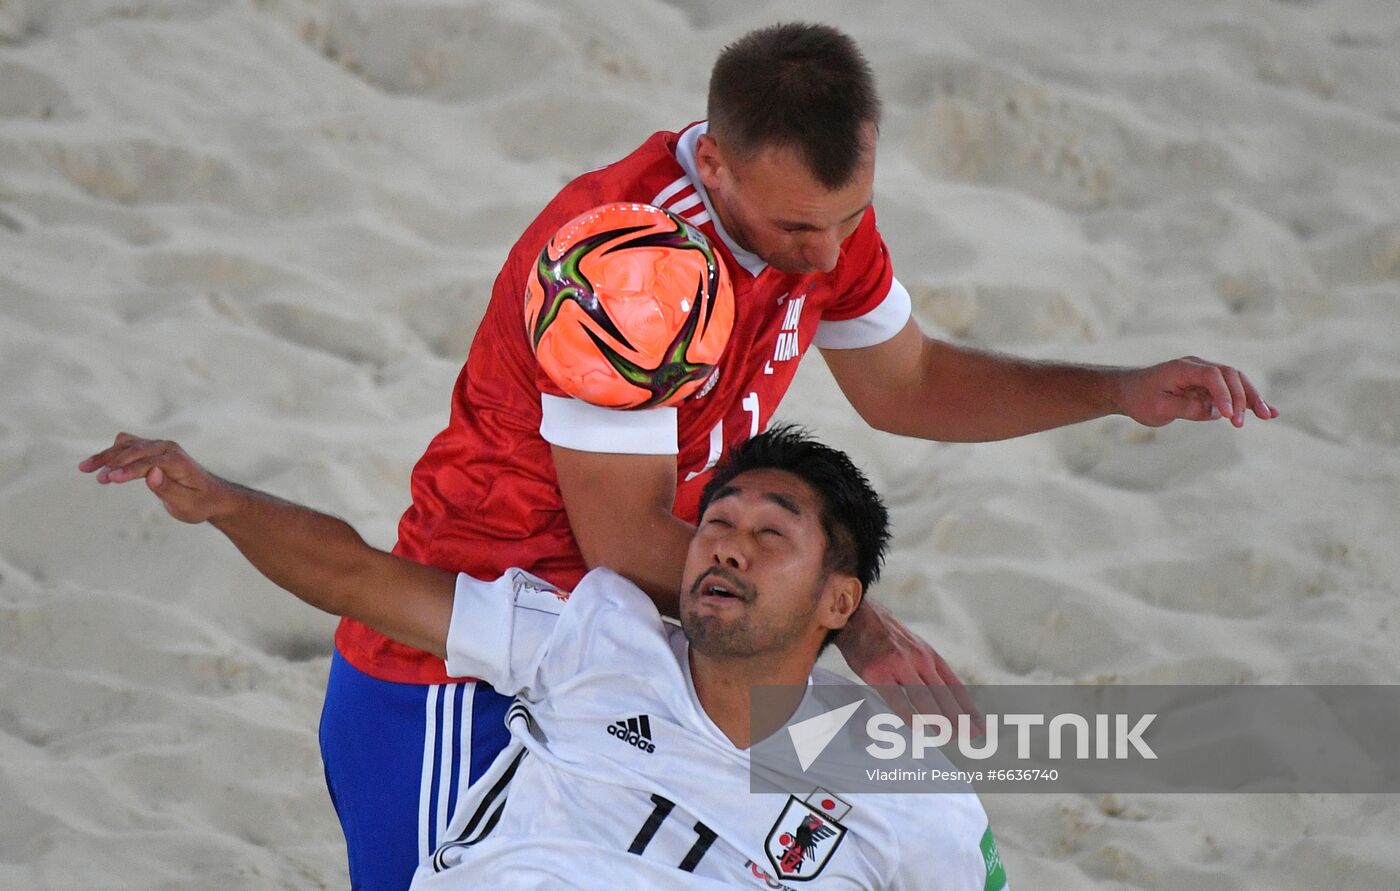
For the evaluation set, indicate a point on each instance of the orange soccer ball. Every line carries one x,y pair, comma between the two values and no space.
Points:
628,306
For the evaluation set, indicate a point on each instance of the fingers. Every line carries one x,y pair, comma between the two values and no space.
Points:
187,491
932,698
1237,400
1214,382
1200,408
1255,401
951,697
93,462
160,461
954,685
137,468
1223,391
127,459
917,681
894,693
910,675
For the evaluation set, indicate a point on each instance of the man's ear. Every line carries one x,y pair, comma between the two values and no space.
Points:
708,161
841,597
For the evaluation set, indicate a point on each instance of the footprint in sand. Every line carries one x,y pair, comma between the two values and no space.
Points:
1038,625
467,53
32,94
986,124
29,833
1120,453
1346,391
143,171
1237,584
1361,255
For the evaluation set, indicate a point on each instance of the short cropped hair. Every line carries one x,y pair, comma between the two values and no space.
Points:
798,86
853,517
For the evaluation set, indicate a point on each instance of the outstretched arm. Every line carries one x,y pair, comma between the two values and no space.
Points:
919,386
319,558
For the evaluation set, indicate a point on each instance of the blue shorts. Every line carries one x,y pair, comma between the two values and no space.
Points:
397,757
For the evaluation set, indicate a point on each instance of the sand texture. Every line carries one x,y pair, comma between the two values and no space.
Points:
267,228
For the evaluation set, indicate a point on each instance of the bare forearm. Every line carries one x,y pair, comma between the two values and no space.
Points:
325,562
619,508
317,557
652,559
977,396
918,386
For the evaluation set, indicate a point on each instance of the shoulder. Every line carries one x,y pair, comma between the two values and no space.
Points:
605,598
639,176
607,626
608,589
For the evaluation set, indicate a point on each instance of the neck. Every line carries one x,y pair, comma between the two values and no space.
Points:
724,686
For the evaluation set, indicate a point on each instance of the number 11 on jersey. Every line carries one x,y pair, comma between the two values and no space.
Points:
750,404
704,835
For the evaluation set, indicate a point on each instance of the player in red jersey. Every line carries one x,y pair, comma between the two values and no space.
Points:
780,180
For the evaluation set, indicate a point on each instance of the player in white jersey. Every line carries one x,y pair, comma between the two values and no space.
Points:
628,764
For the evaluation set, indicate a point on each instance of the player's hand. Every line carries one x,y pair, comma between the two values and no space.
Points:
885,654
1190,389
189,492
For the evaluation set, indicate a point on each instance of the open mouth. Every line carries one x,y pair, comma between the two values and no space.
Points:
715,588
719,591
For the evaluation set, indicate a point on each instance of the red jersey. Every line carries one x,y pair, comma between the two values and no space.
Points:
485,497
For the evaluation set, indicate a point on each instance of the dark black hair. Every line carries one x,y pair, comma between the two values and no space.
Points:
799,86
855,520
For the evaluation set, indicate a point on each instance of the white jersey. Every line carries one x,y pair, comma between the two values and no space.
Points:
615,777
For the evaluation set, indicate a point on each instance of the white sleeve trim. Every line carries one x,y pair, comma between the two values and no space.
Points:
574,424
875,327
478,605
501,630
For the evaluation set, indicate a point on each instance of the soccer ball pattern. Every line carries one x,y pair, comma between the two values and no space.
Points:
628,307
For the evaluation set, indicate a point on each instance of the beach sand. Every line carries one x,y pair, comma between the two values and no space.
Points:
267,228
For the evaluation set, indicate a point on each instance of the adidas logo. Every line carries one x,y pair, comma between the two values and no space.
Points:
635,732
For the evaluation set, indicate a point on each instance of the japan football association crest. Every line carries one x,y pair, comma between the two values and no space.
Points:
802,840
